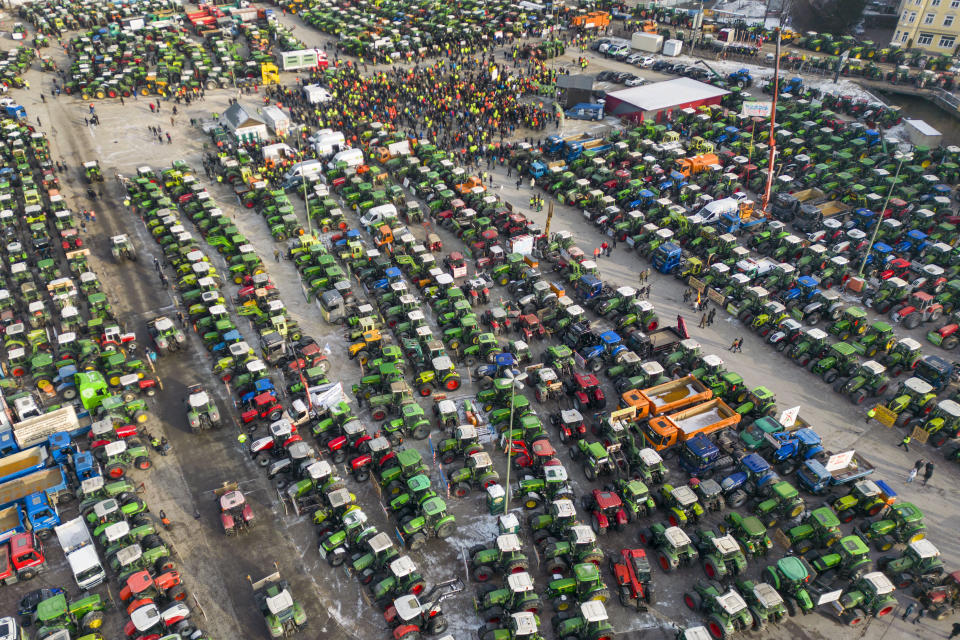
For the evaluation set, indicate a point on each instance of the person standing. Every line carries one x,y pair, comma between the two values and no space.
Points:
905,443
910,609
955,631
928,472
911,475
703,321
710,316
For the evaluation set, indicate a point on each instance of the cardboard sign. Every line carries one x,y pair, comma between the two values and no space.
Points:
920,435
695,284
884,416
789,417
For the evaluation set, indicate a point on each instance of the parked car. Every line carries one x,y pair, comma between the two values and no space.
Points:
606,76
646,62
661,65
619,51
599,42
635,81
622,76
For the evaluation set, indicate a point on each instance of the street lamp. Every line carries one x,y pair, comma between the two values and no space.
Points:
515,383
902,155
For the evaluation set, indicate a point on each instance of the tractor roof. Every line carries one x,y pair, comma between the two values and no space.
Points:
380,542
319,469
582,534
689,344
874,367
104,508
844,349
949,407
520,582
145,617
910,344
554,472
754,463
867,488
793,568
508,543
116,531
163,323
408,607
816,334
564,508
231,499
807,436
918,386
524,624
129,555
466,432
726,545
279,603
606,499
879,583
713,361
676,537
198,400
481,460
825,517
586,572
593,611
784,490
652,368
433,506
766,595
339,497
650,457
403,566
731,602
907,511
924,549
696,633
611,337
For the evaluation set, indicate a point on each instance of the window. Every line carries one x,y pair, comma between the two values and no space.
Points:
947,42
924,39
903,38
935,3
955,4
913,17
948,20
928,19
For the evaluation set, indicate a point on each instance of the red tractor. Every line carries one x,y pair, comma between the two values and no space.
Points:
282,435
143,589
539,454
236,514
896,268
21,558
531,327
263,406
571,425
632,573
920,307
606,511
586,392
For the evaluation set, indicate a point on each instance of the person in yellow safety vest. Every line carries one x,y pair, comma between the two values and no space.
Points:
870,415
242,438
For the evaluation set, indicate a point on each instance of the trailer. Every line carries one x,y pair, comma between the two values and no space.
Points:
649,345
667,397
662,432
813,195
21,463
649,42
52,482
77,545
840,469
303,59
833,208
36,430
11,522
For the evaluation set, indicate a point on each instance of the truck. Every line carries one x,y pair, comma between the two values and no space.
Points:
696,164
592,20
555,143
77,545
36,430
840,469
664,431
22,463
667,397
648,345
21,559
38,493
649,42
303,59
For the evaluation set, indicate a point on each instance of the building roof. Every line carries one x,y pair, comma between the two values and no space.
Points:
236,117
666,94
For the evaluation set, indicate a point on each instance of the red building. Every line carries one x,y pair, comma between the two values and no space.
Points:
654,101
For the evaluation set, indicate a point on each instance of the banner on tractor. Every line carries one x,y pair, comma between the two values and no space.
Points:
757,109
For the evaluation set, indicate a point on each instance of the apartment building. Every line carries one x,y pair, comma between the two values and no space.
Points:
931,25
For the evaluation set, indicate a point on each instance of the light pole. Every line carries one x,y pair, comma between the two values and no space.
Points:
902,155
514,383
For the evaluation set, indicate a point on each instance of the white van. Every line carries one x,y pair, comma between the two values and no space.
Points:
328,142
353,158
301,170
711,212
377,215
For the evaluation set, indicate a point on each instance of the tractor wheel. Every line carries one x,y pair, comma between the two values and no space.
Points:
417,541
339,456
830,376
424,391
589,472
854,618
664,563
461,489
949,343
116,470
803,547
903,581
692,600
711,570
858,397
445,530
625,597
884,543
420,432
912,321
409,634
557,566
142,463
716,627
275,415
379,415
595,523
361,474
645,536
92,621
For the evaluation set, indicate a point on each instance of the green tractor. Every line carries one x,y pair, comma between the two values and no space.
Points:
78,616
727,612
879,338
584,584
636,498
914,397
517,595
757,402
849,558
523,625
720,554
920,562
766,604
942,423
852,322
866,498
577,545
782,502
820,528
504,558
591,624
477,472
433,521
901,524
870,596
904,356
791,576
840,362
867,381
673,545
749,532
596,458
283,615
681,504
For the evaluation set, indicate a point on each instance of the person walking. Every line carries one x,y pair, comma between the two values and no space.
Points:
911,476
955,631
919,464
276,255
910,609
905,443
604,249
920,613
703,321
711,316
928,472
733,345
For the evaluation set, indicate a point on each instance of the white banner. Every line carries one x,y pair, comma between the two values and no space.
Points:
757,109
839,460
327,396
789,417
